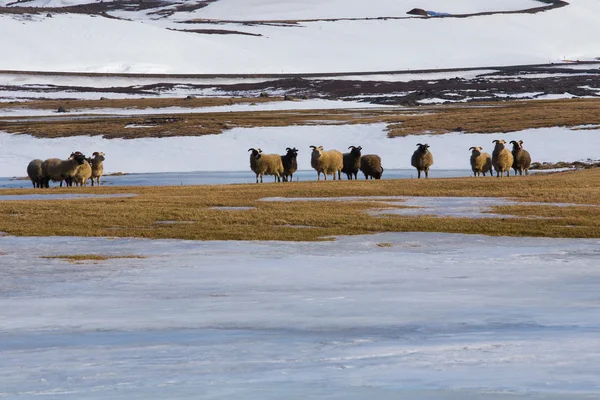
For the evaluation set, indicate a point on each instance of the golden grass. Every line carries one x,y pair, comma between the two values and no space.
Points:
140,216
483,118
505,117
76,258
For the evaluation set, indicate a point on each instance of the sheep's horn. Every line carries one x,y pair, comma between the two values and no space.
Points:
295,149
259,150
495,141
288,149
251,149
513,141
419,144
94,154
360,147
471,148
520,142
313,147
351,147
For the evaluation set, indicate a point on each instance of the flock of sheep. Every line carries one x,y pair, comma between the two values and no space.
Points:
77,169
334,162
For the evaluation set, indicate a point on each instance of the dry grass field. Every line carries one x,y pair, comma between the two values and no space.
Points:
481,118
187,212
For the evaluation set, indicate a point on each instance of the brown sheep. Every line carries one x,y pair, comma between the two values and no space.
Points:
522,159
422,159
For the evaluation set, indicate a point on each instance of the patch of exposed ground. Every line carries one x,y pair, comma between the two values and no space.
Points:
504,83
137,216
489,118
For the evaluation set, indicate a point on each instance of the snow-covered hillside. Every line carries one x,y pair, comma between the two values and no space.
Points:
78,42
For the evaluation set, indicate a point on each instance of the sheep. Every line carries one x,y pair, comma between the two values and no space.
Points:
481,163
326,162
266,164
97,167
253,163
82,173
370,165
34,171
422,159
502,159
521,157
351,163
290,163
59,170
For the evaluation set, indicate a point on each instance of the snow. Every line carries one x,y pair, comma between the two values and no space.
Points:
313,104
69,42
405,315
229,151
312,9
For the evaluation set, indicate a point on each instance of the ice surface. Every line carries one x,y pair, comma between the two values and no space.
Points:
387,316
458,207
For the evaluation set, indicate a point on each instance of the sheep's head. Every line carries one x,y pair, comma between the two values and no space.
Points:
355,150
423,148
476,150
255,152
293,152
317,150
377,174
98,155
78,156
517,145
499,143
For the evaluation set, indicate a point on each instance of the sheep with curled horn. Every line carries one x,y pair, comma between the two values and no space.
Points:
97,163
290,163
266,164
370,165
502,159
326,162
35,174
60,170
422,159
481,163
522,159
82,173
351,162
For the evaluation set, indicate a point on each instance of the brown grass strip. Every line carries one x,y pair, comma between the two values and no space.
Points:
140,216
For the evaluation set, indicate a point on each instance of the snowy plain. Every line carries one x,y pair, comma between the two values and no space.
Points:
97,44
229,151
388,316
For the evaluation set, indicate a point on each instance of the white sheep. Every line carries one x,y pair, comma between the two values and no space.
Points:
326,162
481,163
502,159
266,164
97,166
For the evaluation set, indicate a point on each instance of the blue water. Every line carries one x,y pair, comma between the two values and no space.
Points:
219,178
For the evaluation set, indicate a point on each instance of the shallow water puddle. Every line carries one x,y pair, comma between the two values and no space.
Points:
459,207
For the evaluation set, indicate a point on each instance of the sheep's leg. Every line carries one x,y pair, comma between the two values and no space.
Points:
339,175
527,172
427,173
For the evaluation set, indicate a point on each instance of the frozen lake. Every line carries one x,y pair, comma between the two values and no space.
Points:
387,316
218,178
